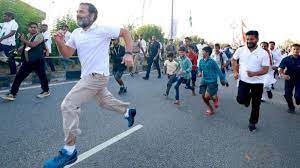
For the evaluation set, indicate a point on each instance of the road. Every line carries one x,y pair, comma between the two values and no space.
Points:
167,136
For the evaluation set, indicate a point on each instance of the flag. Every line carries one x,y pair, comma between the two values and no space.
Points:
190,19
243,31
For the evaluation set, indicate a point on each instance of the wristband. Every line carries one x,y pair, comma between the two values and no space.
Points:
127,52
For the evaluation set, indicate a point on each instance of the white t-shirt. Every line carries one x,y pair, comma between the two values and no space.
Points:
92,48
171,66
67,36
251,61
276,54
200,47
47,36
7,27
143,45
216,57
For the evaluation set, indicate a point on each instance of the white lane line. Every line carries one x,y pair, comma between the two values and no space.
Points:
52,84
111,141
38,86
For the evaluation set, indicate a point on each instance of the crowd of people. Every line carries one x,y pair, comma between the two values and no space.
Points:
255,67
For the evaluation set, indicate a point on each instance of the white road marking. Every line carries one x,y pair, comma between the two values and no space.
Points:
38,86
107,143
52,84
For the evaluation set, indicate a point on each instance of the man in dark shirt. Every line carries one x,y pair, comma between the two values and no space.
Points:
154,50
289,69
32,60
117,52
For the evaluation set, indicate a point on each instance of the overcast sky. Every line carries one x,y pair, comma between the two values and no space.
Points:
212,19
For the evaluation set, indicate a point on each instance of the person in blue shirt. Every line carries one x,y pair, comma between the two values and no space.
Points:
154,51
184,74
289,69
209,71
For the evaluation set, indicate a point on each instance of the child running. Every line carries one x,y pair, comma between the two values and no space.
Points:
184,75
209,71
171,67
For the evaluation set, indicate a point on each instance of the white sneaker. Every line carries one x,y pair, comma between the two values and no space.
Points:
9,97
43,94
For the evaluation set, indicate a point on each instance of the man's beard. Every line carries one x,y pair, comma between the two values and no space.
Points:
84,22
251,45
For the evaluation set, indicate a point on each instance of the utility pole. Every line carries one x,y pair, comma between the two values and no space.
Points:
172,19
143,9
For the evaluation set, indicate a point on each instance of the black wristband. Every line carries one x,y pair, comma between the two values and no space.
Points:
127,52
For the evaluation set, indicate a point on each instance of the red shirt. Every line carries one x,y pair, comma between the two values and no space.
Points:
193,57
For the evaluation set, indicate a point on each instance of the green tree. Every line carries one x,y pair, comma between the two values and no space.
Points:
65,20
24,13
151,30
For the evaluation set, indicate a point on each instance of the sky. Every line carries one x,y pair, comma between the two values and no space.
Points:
213,20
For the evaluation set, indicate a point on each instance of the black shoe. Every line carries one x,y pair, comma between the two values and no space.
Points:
272,87
125,90
165,94
227,84
121,90
158,77
145,78
270,94
291,111
252,127
131,74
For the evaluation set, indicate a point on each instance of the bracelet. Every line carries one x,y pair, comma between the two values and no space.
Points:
127,52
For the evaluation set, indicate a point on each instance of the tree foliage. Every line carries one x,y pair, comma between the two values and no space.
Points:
151,30
65,20
24,13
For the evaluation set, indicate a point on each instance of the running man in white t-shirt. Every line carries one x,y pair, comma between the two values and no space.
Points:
91,43
253,65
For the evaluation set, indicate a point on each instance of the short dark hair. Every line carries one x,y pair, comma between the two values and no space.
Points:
272,42
170,55
9,14
44,25
207,49
182,49
295,45
264,42
217,45
188,38
92,9
252,33
32,23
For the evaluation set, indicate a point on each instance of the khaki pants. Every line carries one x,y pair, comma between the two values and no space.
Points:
87,88
137,62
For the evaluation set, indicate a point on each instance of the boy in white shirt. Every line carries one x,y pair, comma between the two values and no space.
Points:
171,67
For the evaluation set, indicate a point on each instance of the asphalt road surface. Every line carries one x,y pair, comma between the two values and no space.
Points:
165,135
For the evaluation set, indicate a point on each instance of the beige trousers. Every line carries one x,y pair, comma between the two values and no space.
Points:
137,62
91,86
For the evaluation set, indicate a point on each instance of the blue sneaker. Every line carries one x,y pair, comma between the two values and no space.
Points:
61,160
132,113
